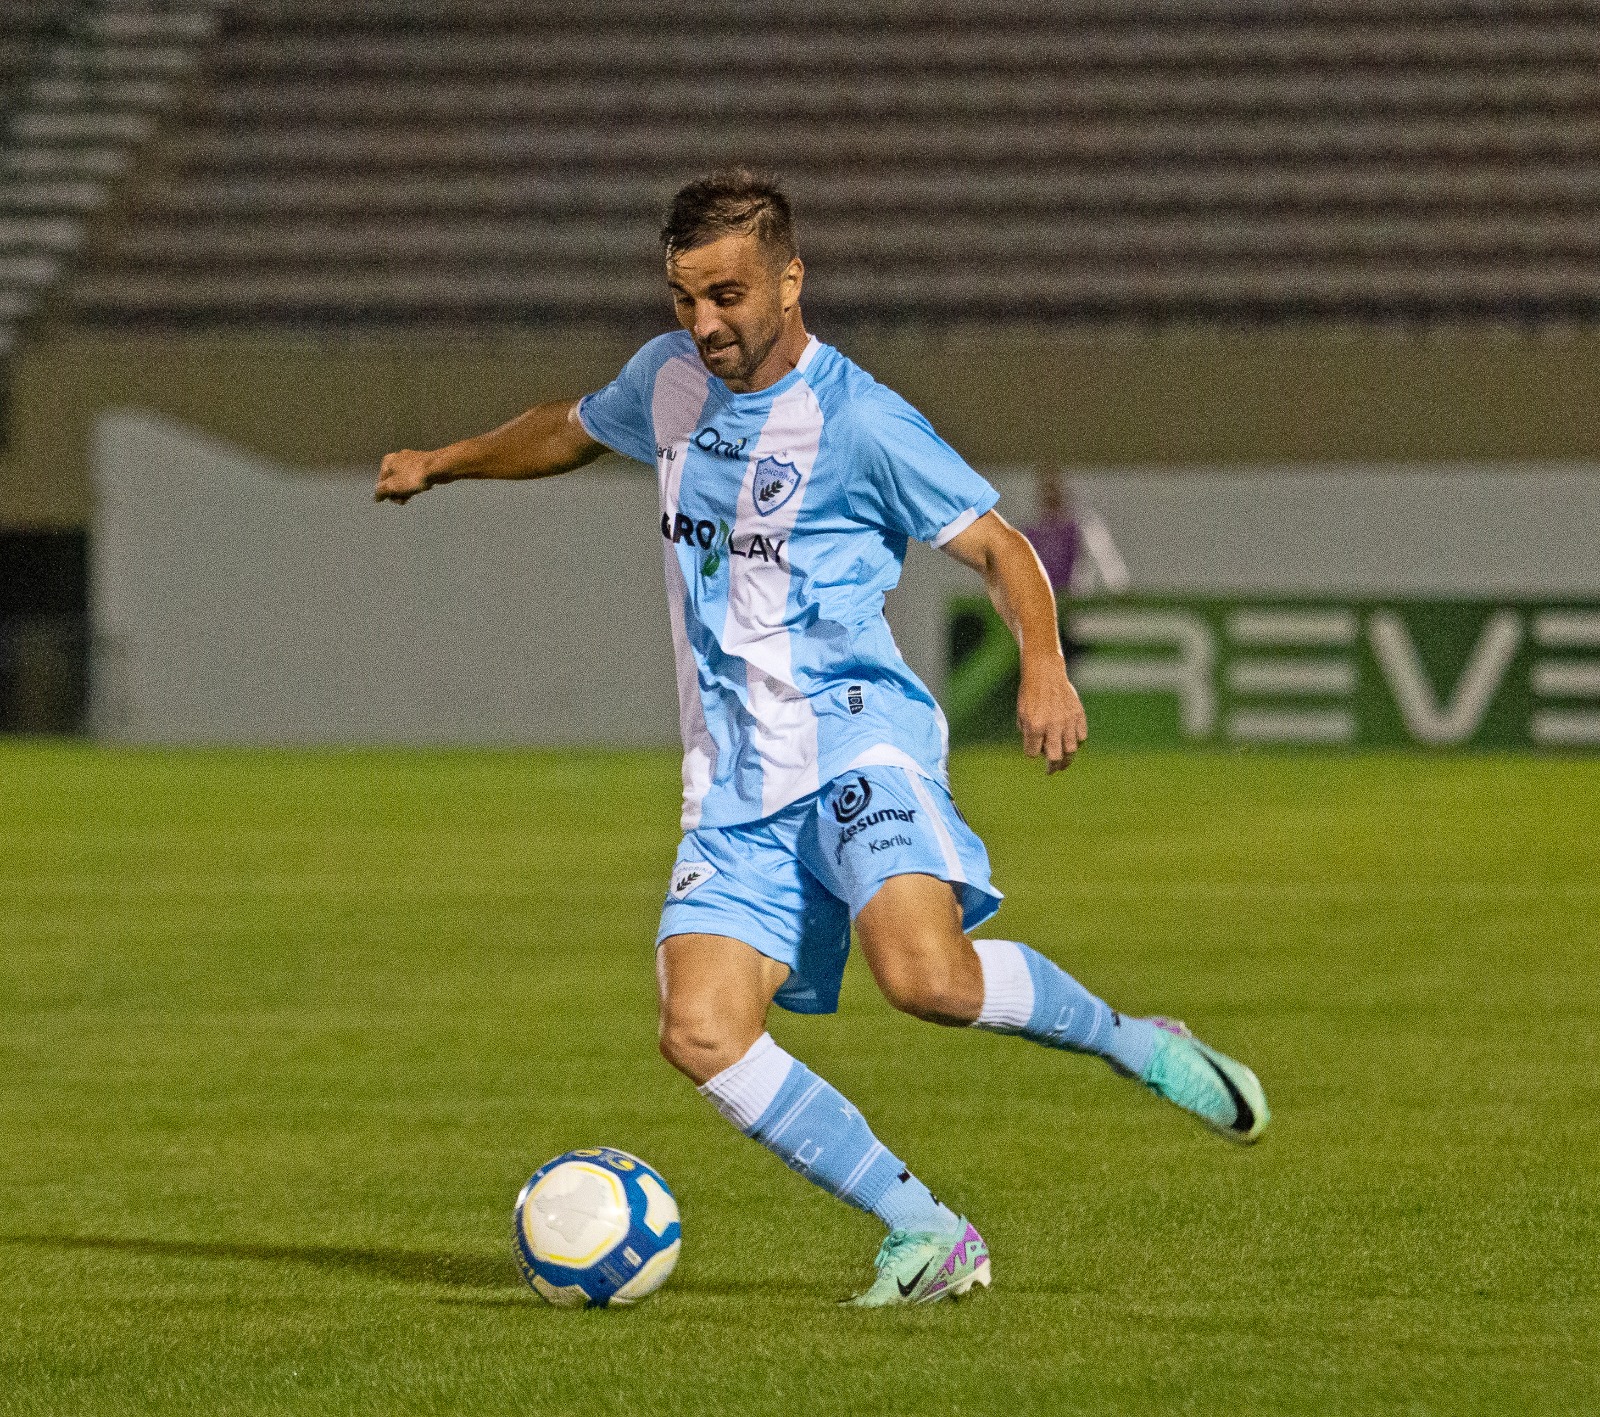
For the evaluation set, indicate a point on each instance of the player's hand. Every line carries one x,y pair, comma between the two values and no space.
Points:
406,473
1050,715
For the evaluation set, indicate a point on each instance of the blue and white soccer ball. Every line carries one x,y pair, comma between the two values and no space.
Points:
596,1227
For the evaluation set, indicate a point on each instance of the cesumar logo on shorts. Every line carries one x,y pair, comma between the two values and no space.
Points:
874,819
851,800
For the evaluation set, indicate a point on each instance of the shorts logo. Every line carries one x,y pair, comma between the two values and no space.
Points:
691,875
855,699
852,800
882,816
774,484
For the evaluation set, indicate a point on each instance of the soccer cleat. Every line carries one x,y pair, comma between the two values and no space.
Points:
915,1267
1220,1091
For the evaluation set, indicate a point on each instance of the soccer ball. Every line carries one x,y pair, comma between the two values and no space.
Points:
595,1227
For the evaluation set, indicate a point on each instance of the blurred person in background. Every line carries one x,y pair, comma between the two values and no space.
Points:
1054,529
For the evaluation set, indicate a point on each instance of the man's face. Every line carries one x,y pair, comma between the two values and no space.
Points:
732,296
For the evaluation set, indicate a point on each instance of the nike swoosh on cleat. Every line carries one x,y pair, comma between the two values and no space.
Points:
1244,1118
916,1279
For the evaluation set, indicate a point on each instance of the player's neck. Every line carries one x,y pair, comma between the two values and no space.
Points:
785,354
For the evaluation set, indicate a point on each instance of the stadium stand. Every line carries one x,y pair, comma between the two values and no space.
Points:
491,161
84,86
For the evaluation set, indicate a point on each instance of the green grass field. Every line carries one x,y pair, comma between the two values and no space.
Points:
281,1034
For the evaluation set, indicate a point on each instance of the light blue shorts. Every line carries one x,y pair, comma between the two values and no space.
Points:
790,884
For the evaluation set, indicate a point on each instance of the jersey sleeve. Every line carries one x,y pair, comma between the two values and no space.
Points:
619,415
907,479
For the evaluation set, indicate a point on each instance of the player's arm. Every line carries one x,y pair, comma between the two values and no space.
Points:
1049,712
545,440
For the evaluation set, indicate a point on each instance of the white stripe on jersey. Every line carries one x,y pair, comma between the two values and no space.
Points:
886,755
785,735
680,393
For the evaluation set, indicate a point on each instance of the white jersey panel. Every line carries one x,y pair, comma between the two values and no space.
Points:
757,627
676,400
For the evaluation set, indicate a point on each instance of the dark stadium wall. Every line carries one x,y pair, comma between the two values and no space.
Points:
1088,398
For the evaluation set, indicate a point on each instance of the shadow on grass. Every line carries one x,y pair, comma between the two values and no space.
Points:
677,1289
464,1272
526,1298
405,1266
742,1288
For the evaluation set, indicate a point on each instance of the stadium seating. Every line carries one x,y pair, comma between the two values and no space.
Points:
82,88
490,161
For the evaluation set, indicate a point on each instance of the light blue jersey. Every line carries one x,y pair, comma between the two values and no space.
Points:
785,516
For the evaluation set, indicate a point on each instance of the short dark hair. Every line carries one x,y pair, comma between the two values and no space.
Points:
729,201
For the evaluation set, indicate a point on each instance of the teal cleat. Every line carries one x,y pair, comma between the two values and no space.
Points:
917,1268
1220,1091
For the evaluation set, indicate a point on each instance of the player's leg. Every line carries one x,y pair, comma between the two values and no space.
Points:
917,879
746,926
921,959
926,965
715,992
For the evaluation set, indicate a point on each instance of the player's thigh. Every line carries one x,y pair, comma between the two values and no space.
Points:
911,935
748,883
891,844
887,821
715,994
717,975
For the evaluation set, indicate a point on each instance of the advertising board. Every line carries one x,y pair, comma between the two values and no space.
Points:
1167,671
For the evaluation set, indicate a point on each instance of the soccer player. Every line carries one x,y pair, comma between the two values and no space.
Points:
815,793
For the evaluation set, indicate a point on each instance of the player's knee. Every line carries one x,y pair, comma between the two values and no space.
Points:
698,1044
685,1046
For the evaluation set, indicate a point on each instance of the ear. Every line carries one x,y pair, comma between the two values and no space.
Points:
793,277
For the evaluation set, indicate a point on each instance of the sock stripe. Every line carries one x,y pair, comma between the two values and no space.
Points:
1008,992
783,1122
849,1183
744,1090
1026,992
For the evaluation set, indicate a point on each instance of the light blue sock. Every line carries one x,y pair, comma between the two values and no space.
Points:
810,1126
1023,992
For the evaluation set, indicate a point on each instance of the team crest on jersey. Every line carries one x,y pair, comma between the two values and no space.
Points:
774,484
